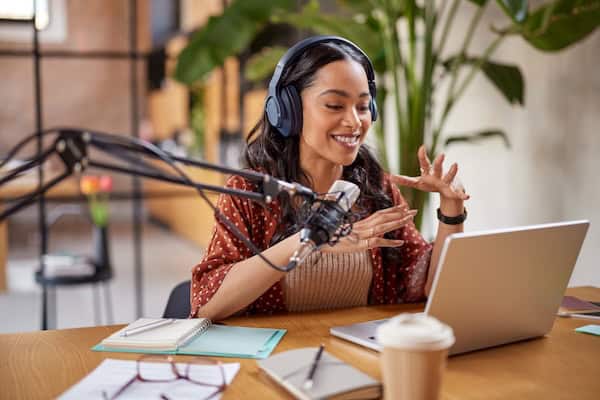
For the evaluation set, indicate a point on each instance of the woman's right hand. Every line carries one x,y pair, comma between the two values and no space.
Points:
368,233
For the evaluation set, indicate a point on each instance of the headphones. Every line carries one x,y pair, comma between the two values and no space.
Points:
284,106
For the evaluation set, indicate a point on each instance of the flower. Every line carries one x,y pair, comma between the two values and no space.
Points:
97,189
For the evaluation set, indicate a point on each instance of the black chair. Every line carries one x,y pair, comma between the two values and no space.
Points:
178,305
100,271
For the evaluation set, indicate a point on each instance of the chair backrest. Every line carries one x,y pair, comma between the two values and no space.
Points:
178,305
100,258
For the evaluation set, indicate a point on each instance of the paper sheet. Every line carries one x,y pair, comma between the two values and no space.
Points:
111,375
589,329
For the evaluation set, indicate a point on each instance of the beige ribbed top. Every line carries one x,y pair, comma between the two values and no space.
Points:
328,280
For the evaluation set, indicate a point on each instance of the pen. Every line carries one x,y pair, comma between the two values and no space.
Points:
308,384
147,327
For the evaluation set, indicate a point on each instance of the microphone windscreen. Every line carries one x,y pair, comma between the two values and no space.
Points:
344,192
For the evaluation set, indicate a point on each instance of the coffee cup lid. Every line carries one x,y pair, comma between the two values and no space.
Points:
415,331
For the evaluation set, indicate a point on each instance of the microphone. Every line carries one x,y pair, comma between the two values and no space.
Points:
327,217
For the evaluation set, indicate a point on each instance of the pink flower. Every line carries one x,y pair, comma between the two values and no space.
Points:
96,189
105,183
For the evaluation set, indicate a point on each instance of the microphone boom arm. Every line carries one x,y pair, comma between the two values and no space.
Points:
72,145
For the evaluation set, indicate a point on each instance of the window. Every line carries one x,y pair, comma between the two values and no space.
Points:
22,10
51,20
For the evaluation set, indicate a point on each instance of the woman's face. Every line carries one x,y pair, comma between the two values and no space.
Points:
336,115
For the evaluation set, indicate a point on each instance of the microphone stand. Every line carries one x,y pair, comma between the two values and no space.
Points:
72,146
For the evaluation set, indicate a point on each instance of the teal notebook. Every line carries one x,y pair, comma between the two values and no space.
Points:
195,337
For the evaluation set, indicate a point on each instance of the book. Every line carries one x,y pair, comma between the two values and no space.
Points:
574,307
333,378
574,304
168,337
195,337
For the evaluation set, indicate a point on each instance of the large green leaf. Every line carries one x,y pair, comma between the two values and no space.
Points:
562,23
262,65
211,46
479,2
225,35
395,9
313,19
358,6
516,9
261,10
376,50
478,137
506,78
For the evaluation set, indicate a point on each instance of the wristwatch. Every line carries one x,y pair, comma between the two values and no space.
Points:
459,219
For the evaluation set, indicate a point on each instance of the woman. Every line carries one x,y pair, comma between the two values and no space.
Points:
384,260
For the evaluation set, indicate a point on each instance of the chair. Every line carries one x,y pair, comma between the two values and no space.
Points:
99,264
178,305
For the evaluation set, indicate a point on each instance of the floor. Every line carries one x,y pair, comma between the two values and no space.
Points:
166,260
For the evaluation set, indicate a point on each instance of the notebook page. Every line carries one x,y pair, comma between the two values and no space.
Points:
166,335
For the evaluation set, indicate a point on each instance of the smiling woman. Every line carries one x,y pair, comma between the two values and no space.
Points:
320,107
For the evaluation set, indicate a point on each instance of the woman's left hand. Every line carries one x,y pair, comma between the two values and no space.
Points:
432,178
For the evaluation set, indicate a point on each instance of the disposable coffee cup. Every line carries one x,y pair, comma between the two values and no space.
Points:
413,360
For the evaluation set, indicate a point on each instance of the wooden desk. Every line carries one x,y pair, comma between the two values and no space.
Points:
563,365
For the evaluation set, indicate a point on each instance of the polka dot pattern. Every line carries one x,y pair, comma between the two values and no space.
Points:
400,283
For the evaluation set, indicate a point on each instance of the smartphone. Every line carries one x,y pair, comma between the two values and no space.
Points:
590,315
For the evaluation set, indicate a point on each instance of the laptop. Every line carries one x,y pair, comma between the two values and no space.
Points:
495,287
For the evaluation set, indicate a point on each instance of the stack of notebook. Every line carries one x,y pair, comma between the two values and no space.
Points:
192,336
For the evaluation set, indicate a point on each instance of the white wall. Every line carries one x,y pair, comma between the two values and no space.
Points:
552,171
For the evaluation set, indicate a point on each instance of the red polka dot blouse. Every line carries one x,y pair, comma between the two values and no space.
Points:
404,282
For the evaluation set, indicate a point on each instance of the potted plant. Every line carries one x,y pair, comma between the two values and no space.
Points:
97,190
407,43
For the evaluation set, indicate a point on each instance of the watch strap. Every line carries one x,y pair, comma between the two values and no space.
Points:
457,220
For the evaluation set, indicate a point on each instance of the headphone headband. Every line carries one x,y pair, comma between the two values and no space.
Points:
278,104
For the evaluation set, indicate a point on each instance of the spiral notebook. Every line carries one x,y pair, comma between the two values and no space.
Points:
194,337
167,337
333,378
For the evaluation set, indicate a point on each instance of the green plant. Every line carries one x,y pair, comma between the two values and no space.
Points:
197,119
97,190
406,41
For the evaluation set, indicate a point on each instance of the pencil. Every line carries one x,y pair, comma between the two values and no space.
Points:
147,327
308,384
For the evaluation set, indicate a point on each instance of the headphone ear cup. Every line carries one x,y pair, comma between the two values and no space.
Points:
296,110
373,109
285,108
291,108
273,111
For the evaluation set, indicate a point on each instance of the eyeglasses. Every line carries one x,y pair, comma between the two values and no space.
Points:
204,372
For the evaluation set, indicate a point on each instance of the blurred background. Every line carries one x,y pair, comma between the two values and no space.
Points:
508,89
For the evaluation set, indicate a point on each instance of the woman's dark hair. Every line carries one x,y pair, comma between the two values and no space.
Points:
270,152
